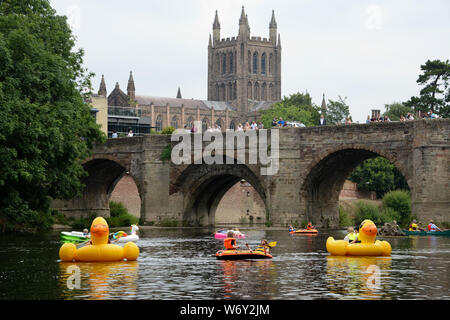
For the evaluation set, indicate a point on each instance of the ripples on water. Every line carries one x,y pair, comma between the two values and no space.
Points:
180,264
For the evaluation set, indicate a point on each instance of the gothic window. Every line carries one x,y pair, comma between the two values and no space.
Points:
217,64
249,62
224,63
256,94
249,91
217,92
232,125
242,54
255,62
222,92
271,92
219,123
234,91
271,63
204,124
159,123
174,122
263,63
264,92
231,63
190,122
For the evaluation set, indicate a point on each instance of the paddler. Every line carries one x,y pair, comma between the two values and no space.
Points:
432,227
351,236
265,246
309,226
414,226
230,241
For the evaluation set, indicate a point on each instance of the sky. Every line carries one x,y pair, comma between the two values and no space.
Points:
368,52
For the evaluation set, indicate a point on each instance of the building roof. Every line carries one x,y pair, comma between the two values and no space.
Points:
187,103
260,105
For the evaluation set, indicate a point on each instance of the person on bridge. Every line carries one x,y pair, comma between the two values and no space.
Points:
230,241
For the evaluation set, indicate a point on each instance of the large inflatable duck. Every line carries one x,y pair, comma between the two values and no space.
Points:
99,249
368,246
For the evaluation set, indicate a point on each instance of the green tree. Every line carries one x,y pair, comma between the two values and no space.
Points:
378,175
337,110
47,129
435,94
397,109
296,107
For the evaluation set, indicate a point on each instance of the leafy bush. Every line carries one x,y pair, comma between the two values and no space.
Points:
345,218
119,215
166,154
365,211
400,202
168,130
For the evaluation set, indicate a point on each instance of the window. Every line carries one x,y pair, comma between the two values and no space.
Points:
255,62
249,62
231,63
159,123
232,125
249,91
271,63
224,63
204,124
174,122
264,92
263,63
190,122
256,92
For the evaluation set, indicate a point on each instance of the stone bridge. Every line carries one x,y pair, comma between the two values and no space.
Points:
313,165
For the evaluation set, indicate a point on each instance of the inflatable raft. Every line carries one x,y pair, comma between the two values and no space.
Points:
304,231
73,237
242,254
219,235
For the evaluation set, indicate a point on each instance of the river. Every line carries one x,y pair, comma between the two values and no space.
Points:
179,264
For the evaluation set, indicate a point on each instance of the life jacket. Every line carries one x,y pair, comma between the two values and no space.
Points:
432,227
352,236
309,226
229,243
413,227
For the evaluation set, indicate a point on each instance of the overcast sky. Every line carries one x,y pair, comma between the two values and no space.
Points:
367,51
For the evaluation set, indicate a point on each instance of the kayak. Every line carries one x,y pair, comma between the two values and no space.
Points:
242,254
304,231
74,237
427,233
219,235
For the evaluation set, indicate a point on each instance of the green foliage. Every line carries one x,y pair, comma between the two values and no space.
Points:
366,210
345,218
296,107
435,94
46,126
166,153
399,201
378,175
168,130
169,222
397,109
337,111
119,215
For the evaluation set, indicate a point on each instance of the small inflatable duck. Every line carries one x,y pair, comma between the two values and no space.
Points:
368,246
100,249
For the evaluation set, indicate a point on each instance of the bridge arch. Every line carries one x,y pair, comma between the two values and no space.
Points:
326,174
203,186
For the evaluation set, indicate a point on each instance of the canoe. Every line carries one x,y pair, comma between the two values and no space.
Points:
241,254
304,231
219,235
427,233
73,237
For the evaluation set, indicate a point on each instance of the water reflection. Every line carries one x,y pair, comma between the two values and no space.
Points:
358,277
99,280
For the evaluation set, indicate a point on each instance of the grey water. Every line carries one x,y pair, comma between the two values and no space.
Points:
179,264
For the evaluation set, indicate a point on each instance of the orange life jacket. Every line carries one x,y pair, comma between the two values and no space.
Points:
309,226
229,243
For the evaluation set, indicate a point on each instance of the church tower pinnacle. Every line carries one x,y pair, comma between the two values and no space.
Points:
131,91
102,89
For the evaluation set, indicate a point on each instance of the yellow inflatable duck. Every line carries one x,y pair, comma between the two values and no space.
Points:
367,247
100,249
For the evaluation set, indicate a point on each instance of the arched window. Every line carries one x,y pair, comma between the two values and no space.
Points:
217,64
231,62
230,91
159,123
264,92
234,91
271,92
256,94
242,53
205,124
174,122
249,91
232,125
222,92
219,123
263,63
224,63
271,63
255,62
189,122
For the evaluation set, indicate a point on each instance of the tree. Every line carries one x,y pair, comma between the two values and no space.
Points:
47,128
337,111
296,107
378,175
435,94
396,110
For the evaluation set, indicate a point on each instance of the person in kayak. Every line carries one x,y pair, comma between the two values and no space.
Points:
309,226
351,236
291,228
432,227
264,245
414,226
230,241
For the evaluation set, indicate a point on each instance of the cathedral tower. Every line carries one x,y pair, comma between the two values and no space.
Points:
244,70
